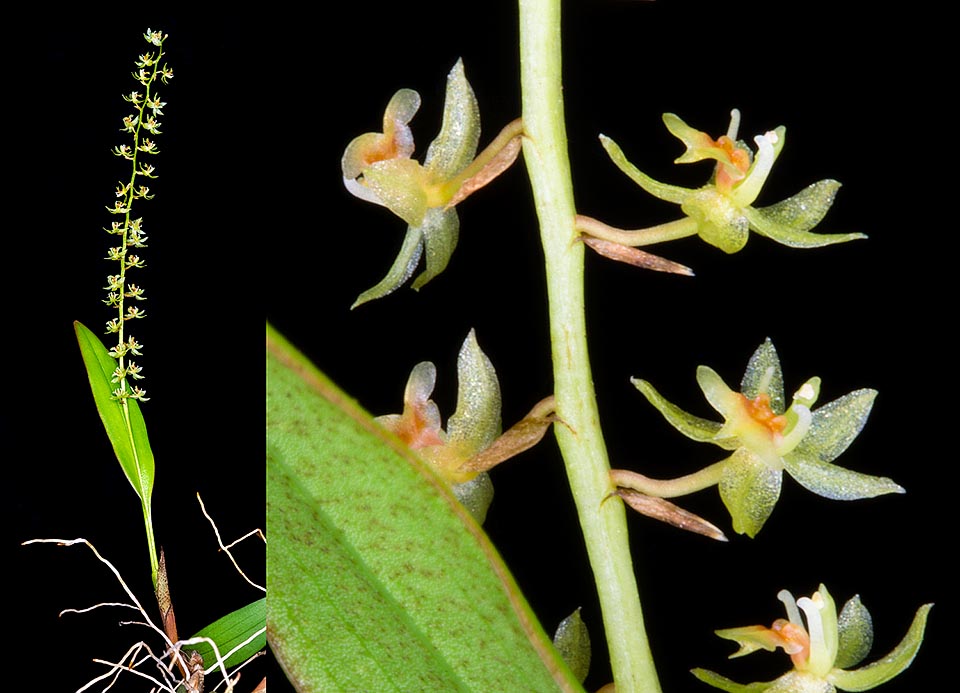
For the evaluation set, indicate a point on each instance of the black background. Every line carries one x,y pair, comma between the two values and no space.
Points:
251,218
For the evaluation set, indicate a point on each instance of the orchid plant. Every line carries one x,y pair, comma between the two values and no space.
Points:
385,514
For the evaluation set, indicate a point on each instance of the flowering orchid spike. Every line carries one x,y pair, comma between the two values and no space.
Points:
766,438
722,211
822,647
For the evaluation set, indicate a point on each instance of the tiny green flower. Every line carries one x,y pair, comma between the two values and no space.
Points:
473,427
378,167
767,438
822,649
721,212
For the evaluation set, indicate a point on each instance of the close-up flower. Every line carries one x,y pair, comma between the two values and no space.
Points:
471,429
766,438
378,167
823,647
722,212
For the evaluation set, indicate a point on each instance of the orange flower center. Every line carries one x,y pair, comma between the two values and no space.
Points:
416,431
796,641
759,410
730,173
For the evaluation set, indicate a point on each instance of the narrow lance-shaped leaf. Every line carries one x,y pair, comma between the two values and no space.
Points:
131,445
231,630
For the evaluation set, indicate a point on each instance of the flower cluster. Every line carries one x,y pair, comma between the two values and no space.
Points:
147,106
823,649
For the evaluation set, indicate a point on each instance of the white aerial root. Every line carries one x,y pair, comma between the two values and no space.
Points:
226,549
129,663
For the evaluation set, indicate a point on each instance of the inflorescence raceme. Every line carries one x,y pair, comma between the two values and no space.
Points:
121,293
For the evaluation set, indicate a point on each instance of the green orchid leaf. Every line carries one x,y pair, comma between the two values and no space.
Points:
725,684
789,222
836,424
856,634
456,145
662,191
232,630
764,375
837,483
379,578
131,446
440,230
750,490
573,643
881,671
403,266
701,430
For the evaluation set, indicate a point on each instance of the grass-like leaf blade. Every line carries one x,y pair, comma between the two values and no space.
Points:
233,629
131,446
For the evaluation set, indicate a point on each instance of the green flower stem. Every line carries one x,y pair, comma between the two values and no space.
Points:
129,198
681,228
581,442
669,488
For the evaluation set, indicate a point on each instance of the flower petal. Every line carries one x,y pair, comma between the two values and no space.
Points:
749,489
699,144
476,423
800,682
883,670
475,495
789,222
753,638
456,145
694,427
662,191
821,614
396,140
725,684
763,375
720,222
830,481
856,634
403,266
440,230
836,424
718,394
768,149
400,185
